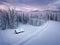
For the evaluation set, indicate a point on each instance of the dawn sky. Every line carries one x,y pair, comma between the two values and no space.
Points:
32,4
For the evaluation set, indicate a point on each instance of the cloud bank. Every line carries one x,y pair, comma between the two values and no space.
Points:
33,4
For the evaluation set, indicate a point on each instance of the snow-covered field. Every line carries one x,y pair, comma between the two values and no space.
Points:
47,34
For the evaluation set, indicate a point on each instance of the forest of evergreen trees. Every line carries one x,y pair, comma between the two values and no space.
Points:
11,18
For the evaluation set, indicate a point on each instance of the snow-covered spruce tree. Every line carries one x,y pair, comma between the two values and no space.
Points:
51,17
55,17
13,22
19,17
47,16
0,17
25,18
58,17
3,20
